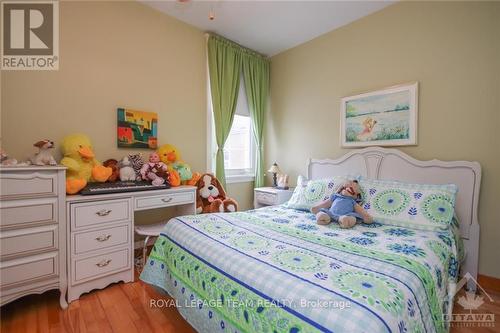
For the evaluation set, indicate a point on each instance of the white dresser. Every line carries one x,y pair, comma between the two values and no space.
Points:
32,231
100,237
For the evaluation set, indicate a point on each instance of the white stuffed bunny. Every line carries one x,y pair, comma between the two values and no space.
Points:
127,172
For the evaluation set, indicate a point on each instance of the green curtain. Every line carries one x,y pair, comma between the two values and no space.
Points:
224,64
256,76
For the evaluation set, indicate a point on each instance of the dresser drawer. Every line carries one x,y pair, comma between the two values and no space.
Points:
266,198
27,241
28,269
164,200
17,213
101,265
84,215
27,184
100,239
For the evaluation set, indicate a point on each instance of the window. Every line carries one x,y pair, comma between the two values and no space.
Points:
239,149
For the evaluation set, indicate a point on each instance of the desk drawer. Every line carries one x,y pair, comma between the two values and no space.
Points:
100,239
266,198
164,200
27,184
101,265
28,269
88,214
17,213
27,241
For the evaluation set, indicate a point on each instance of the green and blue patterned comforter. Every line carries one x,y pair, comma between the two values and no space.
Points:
275,270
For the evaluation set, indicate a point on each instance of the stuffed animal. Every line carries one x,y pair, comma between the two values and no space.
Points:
211,197
183,170
342,207
127,172
194,179
43,157
155,170
5,159
170,155
82,166
115,170
174,177
136,162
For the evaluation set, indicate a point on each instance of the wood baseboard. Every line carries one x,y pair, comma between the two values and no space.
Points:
488,282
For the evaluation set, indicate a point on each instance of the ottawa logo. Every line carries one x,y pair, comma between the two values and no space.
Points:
471,302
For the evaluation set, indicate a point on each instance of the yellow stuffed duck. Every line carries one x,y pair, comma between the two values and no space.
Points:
170,155
82,166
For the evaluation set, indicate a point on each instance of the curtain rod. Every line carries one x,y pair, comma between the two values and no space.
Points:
246,49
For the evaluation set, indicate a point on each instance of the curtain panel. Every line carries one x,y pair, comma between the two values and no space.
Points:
256,77
224,64
226,60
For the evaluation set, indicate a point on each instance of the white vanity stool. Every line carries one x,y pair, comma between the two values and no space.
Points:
148,230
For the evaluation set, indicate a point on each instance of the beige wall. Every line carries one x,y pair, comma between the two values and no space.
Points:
243,192
114,54
451,48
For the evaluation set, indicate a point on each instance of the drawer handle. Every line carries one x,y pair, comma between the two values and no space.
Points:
103,238
103,212
103,263
166,199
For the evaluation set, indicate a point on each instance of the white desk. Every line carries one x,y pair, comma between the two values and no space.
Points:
100,234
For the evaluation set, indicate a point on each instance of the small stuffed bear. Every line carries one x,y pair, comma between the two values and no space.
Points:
155,170
342,207
115,173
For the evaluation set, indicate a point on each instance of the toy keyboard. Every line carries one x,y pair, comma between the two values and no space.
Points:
118,187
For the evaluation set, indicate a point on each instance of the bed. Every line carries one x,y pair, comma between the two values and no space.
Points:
274,270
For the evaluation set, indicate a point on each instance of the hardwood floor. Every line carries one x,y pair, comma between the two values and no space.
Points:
489,307
121,307
126,308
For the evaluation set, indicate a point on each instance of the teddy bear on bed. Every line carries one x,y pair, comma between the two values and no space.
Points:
211,197
342,207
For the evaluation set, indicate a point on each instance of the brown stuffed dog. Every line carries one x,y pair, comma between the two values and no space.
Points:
211,197
115,174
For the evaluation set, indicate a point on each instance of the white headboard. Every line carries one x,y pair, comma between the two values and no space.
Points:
392,164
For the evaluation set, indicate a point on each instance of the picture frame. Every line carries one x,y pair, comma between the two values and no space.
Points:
137,129
385,117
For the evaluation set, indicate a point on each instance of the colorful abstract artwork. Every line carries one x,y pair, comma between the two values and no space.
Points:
137,129
385,117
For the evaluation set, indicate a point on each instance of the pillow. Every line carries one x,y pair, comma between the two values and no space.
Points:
309,193
418,206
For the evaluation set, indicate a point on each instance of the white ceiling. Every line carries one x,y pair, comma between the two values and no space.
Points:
268,27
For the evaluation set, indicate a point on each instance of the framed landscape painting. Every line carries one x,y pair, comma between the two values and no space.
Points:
386,117
137,129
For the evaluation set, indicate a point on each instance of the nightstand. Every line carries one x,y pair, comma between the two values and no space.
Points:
269,196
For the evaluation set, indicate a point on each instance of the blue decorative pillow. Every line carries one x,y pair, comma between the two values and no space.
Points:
309,193
419,206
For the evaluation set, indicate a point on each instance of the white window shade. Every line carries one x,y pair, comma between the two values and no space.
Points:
238,147
242,104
